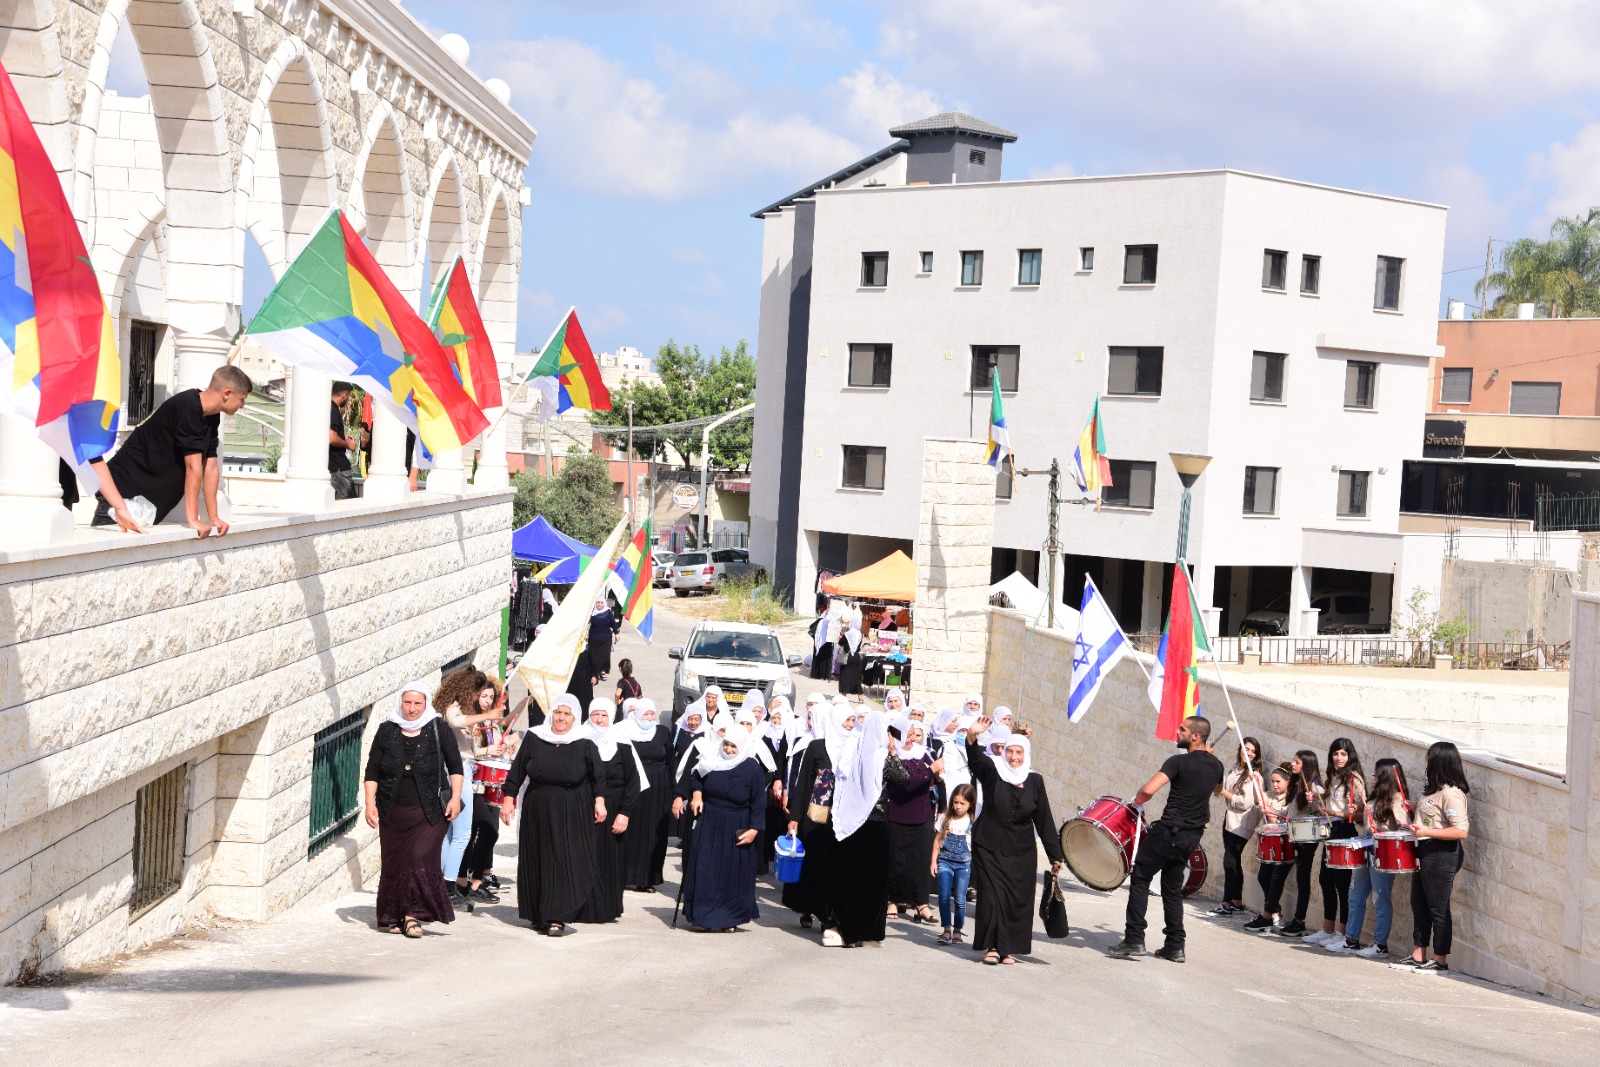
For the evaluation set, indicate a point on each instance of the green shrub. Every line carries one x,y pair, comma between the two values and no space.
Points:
744,600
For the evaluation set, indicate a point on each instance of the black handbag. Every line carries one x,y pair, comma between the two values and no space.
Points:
443,772
1053,909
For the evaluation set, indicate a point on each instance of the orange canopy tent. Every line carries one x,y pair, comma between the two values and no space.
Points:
892,578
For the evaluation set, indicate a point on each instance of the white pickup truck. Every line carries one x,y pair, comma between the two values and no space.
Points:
734,656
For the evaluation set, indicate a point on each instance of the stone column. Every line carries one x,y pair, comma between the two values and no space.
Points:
304,464
263,804
493,473
955,537
1580,933
388,476
1300,604
196,356
30,492
448,474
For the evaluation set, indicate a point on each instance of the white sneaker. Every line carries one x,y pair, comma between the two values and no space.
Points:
831,939
1316,938
1337,943
1372,951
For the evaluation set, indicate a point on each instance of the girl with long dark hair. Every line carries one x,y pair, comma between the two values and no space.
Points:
1272,876
1441,827
1344,800
1241,797
1304,787
1388,810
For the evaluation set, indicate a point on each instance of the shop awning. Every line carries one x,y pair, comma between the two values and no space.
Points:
892,578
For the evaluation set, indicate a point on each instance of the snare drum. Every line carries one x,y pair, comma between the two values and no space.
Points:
1346,855
1273,846
491,774
1395,851
1195,877
1098,844
1310,829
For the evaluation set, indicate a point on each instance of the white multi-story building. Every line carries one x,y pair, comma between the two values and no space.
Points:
1280,327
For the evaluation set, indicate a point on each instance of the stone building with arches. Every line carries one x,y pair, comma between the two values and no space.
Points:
179,719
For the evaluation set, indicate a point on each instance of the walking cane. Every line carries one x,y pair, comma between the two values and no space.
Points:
683,876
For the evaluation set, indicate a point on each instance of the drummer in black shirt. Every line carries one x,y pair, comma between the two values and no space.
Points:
1165,847
172,457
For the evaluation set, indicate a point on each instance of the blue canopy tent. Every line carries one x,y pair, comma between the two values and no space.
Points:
540,542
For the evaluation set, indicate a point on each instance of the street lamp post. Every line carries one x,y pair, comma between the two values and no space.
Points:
1053,544
1189,465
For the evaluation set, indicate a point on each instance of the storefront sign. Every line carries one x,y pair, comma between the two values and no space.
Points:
685,496
1444,439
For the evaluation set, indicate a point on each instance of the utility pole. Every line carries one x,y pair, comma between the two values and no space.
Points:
633,493
705,465
1483,298
1053,544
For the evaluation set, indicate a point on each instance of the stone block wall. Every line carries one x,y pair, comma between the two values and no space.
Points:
127,657
1532,878
955,535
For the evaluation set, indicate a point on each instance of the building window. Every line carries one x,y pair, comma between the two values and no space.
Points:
986,358
1133,485
869,365
1030,262
1086,258
1139,265
1135,372
1274,270
1386,296
336,774
927,262
144,338
1360,383
1311,275
1353,493
1456,387
160,828
1535,398
976,157
1266,376
863,467
972,268
463,660
874,270
1261,490
1003,482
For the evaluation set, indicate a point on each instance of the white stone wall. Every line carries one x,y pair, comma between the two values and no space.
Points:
1523,904
954,535
126,657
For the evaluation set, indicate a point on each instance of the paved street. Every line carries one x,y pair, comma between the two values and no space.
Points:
321,985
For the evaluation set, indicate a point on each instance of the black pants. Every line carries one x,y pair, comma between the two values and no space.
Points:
1305,857
479,856
1233,865
1336,883
1430,894
1164,851
1272,877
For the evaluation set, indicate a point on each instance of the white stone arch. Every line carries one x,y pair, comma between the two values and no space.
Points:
379,201
30,49
286,175
187,101
495,266
124,254
444,218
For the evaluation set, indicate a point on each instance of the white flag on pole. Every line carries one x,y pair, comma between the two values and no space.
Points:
1101,643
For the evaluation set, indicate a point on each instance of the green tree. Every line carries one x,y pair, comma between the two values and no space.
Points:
693,386
580,500
1561,275
524,505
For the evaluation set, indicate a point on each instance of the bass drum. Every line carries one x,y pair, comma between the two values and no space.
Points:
1195,877
1098,844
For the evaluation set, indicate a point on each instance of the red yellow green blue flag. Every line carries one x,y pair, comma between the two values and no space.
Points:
1090,467
567,359
59,370
1175,682
636,570
453,314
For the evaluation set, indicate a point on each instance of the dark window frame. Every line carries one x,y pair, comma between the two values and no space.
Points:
972,267
1142,374
1310,269
1002,352
1449,374
1023,264
1388,291
1275,270
870,262
1280,360
1355,494
1252,490
927,262
1086,258
1121,488
1353,400
1147,260
1004,483
864,454
882,356
1512,400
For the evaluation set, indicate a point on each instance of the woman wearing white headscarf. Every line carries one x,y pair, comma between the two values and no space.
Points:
728,801
644,846
621,779
413,790
1016,809
556,846
851,660
774,739
908,803
822,650
810,810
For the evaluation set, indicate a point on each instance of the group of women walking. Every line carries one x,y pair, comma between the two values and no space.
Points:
1342,809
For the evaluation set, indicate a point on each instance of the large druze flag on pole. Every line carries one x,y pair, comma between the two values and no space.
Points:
1175,683
335,312
453,315
999,432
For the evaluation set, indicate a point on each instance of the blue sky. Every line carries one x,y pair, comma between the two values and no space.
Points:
663,124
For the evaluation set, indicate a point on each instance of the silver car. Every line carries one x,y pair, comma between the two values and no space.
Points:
704,571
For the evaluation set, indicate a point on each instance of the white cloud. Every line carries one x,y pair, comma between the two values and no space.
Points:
605,130
874,100
1573,171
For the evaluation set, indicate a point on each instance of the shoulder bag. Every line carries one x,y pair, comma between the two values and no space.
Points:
444,774
1053,908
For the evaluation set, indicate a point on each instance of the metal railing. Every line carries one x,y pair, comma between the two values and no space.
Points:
160,827
1566,511
1380,651
1512,655
335,780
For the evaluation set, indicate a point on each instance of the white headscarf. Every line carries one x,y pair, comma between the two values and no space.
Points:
397,716
894,702
579,731
972,698
802,725
996,733
683,722
836,737
1020,774
609,737
918,706
823,623
760,752
778,715
636,727
1003,715
858,775
852,639
904,748
700,705
755,700
716,760
944,726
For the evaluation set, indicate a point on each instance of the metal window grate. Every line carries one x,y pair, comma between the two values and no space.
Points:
335,780
160,825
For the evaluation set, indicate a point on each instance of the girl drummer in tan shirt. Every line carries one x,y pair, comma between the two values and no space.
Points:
1272,876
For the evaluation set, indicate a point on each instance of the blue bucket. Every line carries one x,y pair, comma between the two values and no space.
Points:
788,854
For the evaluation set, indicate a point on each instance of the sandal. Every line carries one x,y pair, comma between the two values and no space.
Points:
992,958
1007,960
413,928
926,914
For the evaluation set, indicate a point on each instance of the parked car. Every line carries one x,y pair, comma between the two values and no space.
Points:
705,571
662,559
1342,612
734,656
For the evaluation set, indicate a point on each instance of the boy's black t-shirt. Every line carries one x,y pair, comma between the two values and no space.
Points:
150,461
337,458
1194,778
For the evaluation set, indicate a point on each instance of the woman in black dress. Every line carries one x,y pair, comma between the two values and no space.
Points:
822,648
621,777
909,805
851,662
413,790
1015,809
644,846
728,800
556,843
775,736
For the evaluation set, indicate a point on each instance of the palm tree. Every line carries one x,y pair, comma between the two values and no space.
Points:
1561,275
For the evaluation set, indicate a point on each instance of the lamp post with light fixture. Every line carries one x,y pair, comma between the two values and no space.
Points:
1189,465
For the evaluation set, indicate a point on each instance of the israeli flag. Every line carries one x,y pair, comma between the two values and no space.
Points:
1101,643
